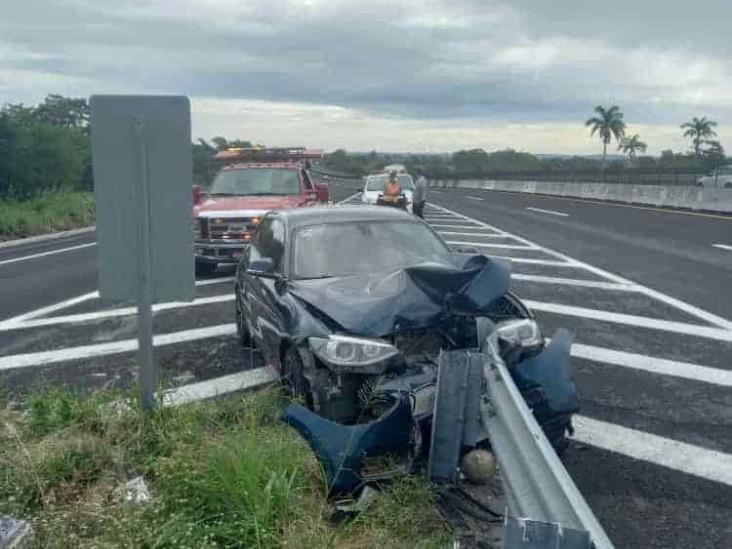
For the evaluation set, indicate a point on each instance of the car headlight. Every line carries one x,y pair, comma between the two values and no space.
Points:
347,351
196,228
524,332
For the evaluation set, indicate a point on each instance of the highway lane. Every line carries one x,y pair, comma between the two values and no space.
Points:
652,353
668,250
34,275
38,274
653,447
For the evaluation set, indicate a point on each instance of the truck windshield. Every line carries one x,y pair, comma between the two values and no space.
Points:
341,249
256,182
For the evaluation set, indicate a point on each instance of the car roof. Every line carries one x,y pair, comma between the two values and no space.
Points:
341,214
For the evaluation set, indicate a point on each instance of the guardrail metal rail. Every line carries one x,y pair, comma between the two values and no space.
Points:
537,484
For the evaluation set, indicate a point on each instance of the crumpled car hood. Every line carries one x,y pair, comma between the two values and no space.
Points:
380,304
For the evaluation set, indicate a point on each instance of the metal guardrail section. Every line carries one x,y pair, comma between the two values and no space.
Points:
536,482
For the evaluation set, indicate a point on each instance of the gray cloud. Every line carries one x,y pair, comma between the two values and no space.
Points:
530,61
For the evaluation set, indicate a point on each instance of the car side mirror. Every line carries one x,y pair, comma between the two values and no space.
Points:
264,267
197,195
322,191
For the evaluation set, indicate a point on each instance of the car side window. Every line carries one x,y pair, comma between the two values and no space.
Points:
269,242
306,181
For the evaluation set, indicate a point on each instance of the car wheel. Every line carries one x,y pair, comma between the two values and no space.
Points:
245,338
293,375
204,269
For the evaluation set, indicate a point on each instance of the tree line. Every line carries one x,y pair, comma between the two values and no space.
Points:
44,147
47,148
705,154
608,123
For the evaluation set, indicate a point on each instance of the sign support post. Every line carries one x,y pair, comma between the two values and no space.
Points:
148,371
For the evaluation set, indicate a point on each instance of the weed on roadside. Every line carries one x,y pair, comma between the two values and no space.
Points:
226,473
46,213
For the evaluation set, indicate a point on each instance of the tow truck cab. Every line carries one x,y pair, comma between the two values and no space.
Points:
253,182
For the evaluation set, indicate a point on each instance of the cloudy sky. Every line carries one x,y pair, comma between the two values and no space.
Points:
420,75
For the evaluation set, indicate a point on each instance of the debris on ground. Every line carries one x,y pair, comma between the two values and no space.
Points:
14,533
478,466
474,512
134,491
184,378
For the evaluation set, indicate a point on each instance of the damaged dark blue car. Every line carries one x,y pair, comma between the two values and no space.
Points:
354,306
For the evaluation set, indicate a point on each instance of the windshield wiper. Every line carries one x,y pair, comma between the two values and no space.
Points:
223,194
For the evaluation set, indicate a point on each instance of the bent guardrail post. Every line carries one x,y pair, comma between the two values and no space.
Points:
537,484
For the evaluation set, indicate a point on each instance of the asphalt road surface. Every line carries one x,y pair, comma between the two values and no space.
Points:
645,292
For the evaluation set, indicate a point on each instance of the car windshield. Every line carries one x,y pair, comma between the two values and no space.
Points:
256,182
378,182
340,249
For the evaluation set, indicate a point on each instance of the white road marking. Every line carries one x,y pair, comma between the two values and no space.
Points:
220,386
482,235
115,347
720,334
111,313
672,301
438,226
575,282
209,281
49,309
43,254
680,456
551,212
547,262
46,237
486,245
5,324
686,370
474,198
723,247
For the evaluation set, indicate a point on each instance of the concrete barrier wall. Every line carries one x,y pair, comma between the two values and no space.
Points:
670,196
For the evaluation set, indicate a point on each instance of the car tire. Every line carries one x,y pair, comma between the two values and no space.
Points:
242,331
292,375
205,269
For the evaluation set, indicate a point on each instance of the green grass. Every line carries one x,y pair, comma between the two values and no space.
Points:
45,214
227,473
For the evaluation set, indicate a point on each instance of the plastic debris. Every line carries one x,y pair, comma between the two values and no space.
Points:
135,491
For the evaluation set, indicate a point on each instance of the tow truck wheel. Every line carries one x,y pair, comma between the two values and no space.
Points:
293,377
204,269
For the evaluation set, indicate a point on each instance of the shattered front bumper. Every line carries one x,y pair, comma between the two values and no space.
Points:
343,449
544,381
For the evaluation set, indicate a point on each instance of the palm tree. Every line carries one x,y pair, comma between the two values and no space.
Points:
631,145
608,123
700,130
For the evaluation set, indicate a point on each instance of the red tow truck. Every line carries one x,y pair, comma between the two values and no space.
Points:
253,182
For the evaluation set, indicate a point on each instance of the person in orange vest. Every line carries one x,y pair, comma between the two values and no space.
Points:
393,188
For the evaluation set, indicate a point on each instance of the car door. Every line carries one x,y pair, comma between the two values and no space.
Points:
263,291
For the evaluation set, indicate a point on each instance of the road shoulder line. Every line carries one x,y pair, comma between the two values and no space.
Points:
45,237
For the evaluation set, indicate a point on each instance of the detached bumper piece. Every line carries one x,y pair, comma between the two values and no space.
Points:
546,384
342,449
